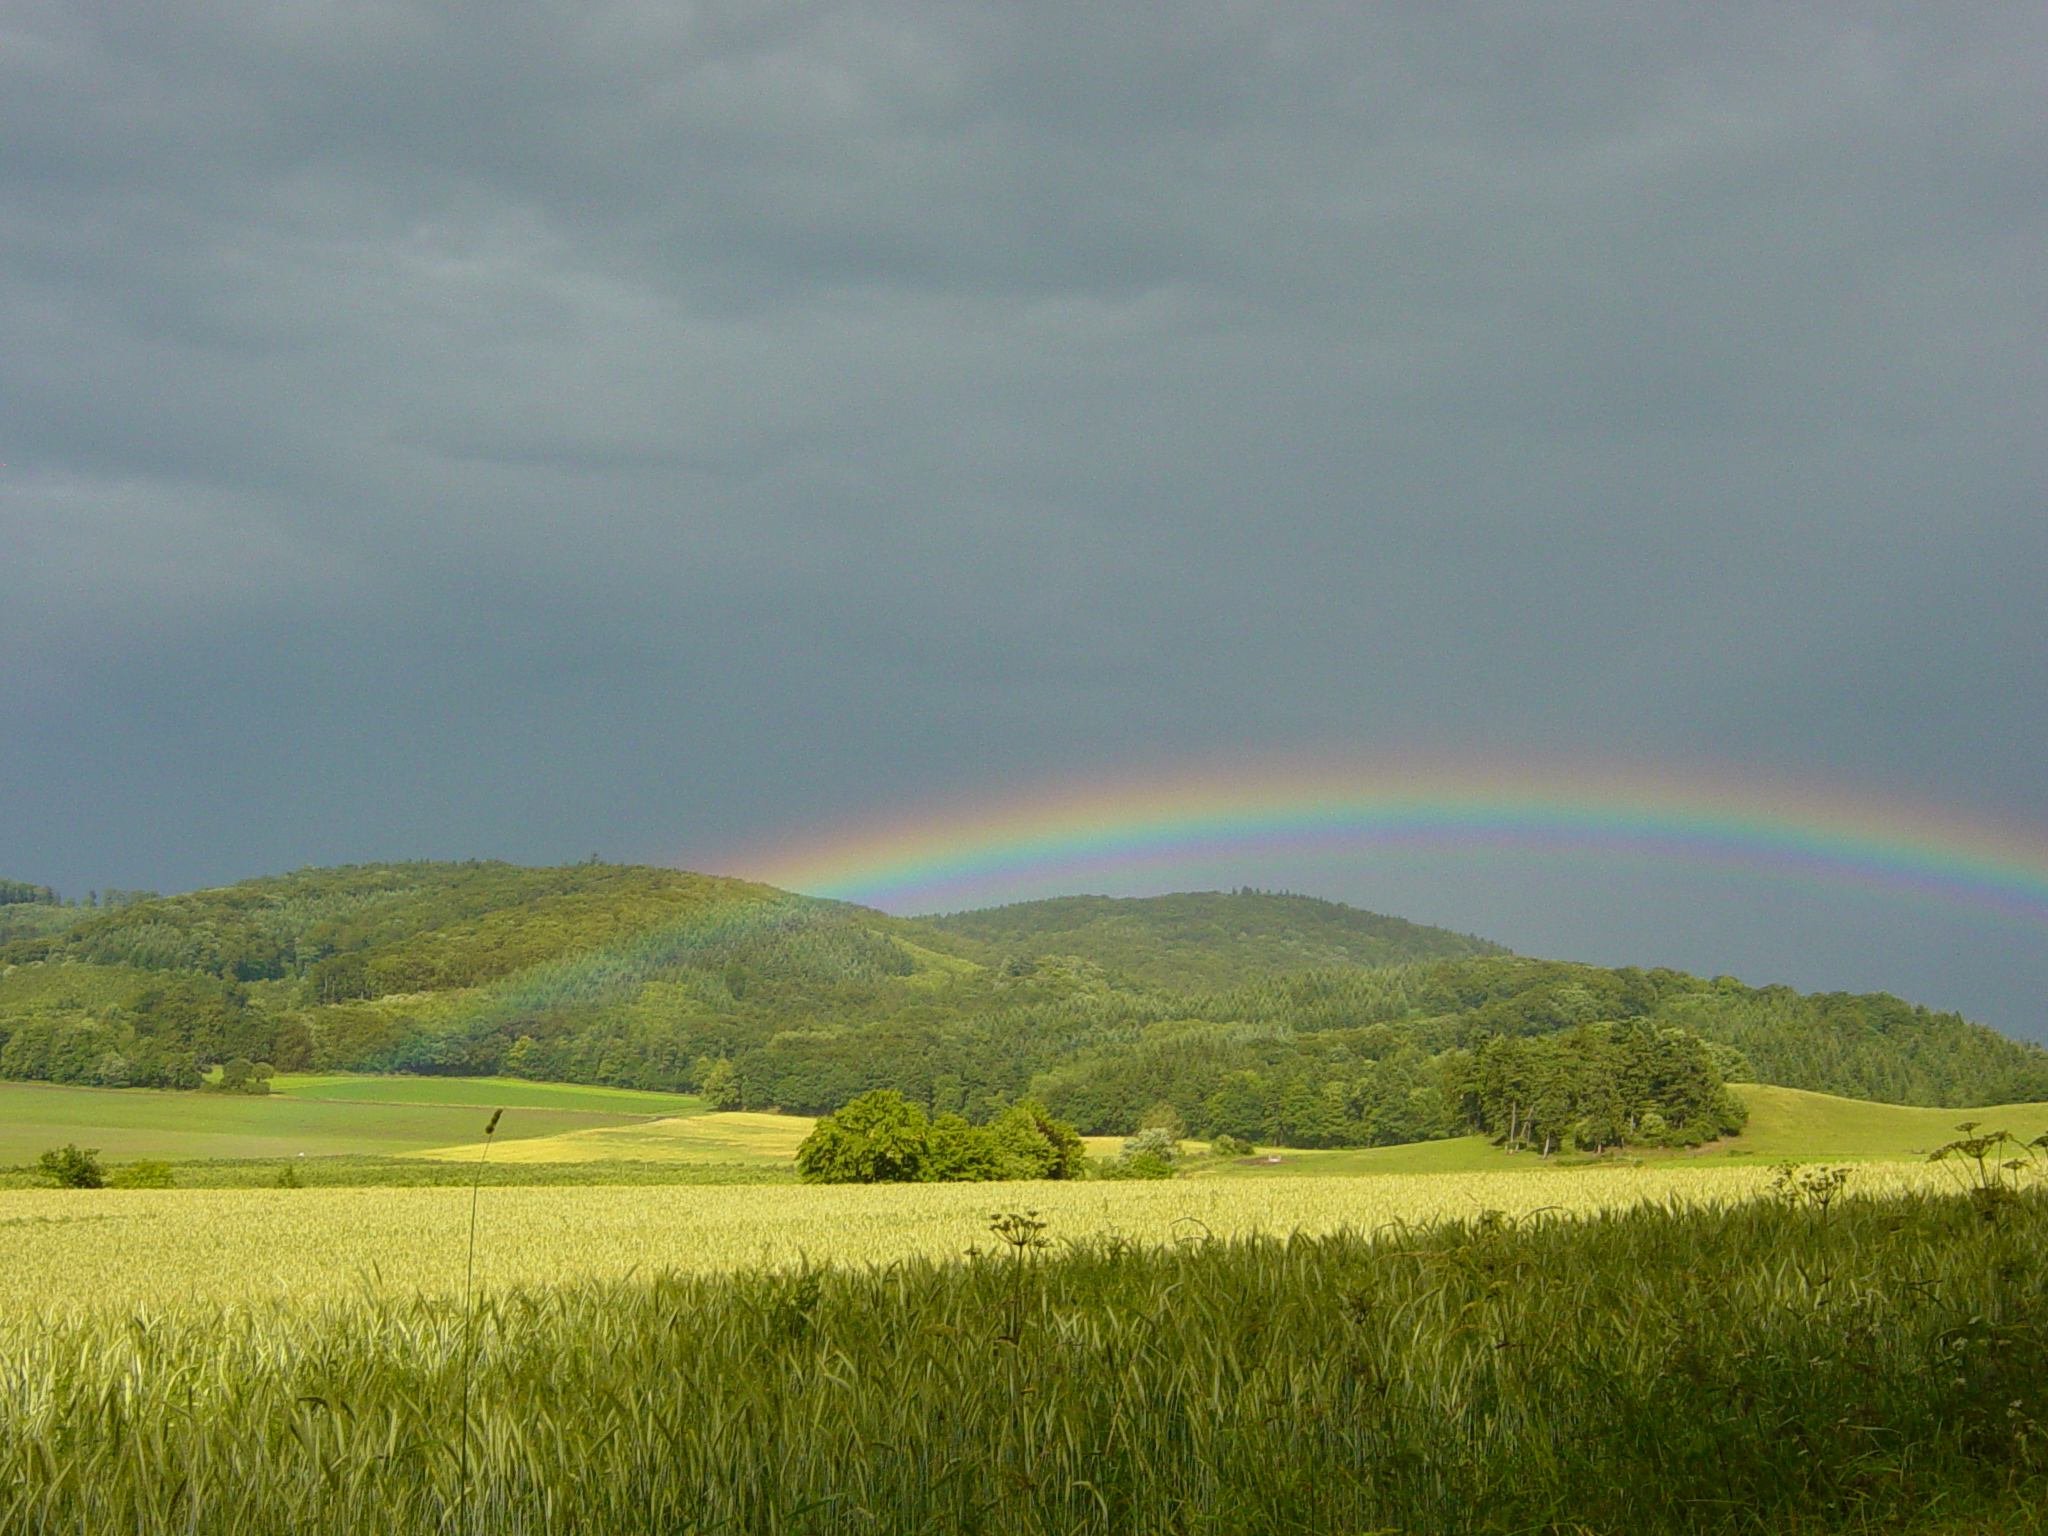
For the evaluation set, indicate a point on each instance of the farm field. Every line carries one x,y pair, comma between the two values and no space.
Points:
154,1248
1679,1364
485,1093
722,1136
337,1118
719,1136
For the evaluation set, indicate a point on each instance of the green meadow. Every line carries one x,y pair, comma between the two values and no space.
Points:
316,1116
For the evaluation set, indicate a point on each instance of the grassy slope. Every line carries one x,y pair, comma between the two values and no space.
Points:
1206,939
1790,1122
129,1123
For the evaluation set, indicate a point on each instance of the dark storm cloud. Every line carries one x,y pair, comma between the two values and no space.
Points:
519,428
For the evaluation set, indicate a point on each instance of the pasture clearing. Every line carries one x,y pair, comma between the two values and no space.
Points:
152,1249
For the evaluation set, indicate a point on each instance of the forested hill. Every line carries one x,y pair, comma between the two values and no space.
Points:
1279,1018
1202,940
371,930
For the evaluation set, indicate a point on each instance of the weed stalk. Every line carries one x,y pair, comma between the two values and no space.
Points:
469,1315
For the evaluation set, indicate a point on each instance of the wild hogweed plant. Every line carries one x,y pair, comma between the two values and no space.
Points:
1994,1165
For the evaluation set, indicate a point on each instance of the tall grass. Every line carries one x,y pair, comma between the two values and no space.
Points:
1766,1367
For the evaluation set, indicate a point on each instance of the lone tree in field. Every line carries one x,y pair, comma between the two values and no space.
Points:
74,1168
884,1138
878,1138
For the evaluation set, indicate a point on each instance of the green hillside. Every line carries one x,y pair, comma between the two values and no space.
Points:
1204,940
1793,1123
1281,1019
370,930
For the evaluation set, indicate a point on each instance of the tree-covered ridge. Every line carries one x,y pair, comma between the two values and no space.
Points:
657,979
1202,940
371,930
580,973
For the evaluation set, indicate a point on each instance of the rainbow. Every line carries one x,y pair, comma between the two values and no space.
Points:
1071,837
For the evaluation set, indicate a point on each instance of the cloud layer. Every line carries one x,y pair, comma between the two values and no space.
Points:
532,428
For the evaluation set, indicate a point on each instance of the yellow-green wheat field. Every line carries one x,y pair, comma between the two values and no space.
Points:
155,1251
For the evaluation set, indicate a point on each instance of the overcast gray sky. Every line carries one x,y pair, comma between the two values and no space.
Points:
528,430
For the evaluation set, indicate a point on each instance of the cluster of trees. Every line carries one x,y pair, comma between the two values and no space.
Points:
238,1074
168,1034
47,1052
74,1167
94,1055
883,1138
1597,1086
29,912
1155,1152
1591,1086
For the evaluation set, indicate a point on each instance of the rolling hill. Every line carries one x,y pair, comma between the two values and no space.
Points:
1203,940
1282,1018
